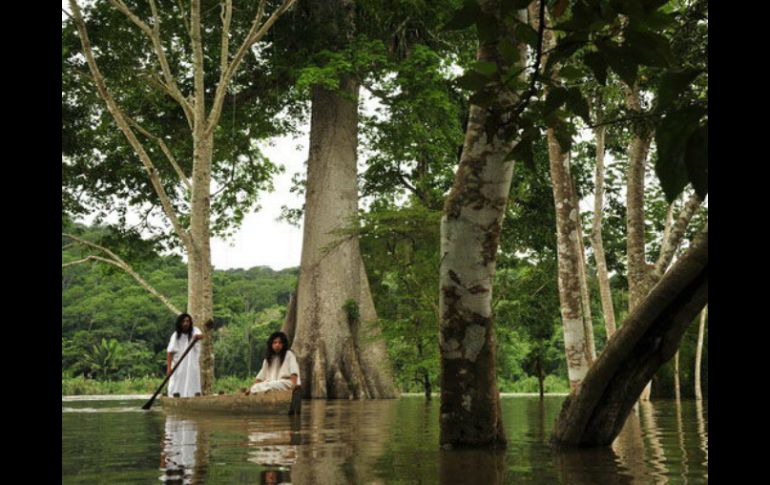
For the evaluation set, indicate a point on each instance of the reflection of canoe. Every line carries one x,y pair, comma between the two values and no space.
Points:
273,402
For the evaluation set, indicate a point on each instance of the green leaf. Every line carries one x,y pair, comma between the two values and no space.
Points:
553,100
508,51
619,61
696,160
464,17
659,21
578,104
563,136
482,98
671,137
570,73
672,84
487,27
648,48
515,4
484,67
472,81
523,152
595,61
526,34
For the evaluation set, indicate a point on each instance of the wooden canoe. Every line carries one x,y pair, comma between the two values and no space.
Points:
273,402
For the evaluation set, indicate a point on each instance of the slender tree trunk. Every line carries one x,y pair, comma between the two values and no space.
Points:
540,377
638,270
699,354
677,393
585,292
200,295
579,350
605,291
648,338
470,235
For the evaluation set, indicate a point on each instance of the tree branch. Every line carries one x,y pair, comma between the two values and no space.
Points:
115,260
673,239
122,123
166,151
154,34
255,34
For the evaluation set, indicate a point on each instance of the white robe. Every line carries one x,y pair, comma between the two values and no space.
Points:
187,378
276,377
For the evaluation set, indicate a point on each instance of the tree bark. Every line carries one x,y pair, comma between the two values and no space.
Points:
699,354
677,394
578,347
648,338
470,235
340,351
605,291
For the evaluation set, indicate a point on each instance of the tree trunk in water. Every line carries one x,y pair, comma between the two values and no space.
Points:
337,339
648,338
596,238
578,347
540,377
699,354
426,385
677,394
470,235
576,343
638,270
200,295
585,293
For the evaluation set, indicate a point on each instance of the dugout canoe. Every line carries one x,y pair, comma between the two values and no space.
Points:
273,402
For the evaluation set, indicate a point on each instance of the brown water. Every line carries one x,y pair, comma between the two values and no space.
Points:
340,442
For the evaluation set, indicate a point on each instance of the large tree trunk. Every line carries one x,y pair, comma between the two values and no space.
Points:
648,338
596,238
470,235
699,354
200,293
337,339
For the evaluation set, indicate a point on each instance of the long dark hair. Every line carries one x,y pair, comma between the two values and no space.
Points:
179,321
270,354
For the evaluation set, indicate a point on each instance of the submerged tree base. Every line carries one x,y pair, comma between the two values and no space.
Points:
649,337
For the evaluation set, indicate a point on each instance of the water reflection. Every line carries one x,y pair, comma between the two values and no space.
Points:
374,442
183,455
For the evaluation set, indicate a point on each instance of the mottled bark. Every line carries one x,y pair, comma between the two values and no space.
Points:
602,274
578,331
672,239
699,354
648,338
470,235
585,292
337,339
638,269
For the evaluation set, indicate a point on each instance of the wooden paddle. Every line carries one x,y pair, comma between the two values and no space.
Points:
148,405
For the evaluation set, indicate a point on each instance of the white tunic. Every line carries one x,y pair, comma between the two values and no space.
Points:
187,378
275,376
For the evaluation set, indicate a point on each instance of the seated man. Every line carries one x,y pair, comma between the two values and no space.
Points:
280,369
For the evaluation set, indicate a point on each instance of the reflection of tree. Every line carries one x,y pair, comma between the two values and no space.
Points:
589,466
184,458
702,433
653,434
345,438
629,446
274,447
472,467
